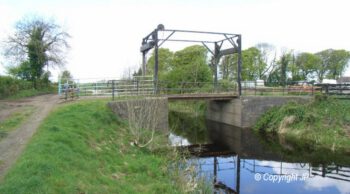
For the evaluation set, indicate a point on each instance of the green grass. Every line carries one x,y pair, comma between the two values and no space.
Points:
15,120
321,124
83,148
30,93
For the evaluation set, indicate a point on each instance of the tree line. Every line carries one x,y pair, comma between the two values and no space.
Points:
261,62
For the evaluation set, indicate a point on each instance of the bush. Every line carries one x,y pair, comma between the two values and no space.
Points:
17,88
10,86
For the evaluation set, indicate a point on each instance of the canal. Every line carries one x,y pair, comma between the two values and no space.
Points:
234,160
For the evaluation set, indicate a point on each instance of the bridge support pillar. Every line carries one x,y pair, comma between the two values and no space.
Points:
246,110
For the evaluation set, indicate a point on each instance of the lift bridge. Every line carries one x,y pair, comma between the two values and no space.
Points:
218,45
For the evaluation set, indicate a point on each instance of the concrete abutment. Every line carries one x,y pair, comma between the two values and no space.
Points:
245,111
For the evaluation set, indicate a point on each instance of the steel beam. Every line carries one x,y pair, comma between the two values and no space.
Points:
200,32
206,46
147,46
184,40
167,38
226,37
155,36
239,66
228,51
144,61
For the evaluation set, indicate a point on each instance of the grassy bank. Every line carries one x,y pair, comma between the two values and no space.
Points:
14,120
323,124
83,148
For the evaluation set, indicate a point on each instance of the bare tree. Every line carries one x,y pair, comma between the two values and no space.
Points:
269,57
40,42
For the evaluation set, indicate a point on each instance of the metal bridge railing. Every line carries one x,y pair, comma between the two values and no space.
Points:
278,88
294,88
168,87
145,86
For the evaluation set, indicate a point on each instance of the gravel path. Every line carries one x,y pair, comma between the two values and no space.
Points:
13,144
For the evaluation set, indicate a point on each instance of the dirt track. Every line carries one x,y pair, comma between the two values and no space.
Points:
12,146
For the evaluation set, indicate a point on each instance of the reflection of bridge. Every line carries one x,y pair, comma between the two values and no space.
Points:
211,164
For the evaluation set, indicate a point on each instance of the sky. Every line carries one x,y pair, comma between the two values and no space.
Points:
106,34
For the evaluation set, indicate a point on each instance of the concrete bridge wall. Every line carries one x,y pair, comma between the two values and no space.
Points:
246,110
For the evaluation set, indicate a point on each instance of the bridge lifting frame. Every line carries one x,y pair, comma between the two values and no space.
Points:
152,40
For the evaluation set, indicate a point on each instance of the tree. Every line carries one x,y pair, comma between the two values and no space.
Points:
333,63
39,42
253,64
339,60
66,76
285,60
306,65
165,57
190,65
278,75
228,67
268,57
22,71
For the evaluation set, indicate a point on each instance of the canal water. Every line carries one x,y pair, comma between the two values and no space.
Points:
234,160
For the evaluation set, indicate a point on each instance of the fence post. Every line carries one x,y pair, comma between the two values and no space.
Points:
255,88
113,88
59,87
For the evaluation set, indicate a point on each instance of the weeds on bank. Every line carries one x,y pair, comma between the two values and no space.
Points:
322,123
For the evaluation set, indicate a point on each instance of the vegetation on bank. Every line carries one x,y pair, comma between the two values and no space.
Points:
84,148
13,88
323,124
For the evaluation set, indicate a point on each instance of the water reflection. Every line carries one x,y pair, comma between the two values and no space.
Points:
237,162
232,174
176,140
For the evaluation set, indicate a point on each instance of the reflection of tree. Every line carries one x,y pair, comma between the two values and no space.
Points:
189,126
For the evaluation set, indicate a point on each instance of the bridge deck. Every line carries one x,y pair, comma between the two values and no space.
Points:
218,96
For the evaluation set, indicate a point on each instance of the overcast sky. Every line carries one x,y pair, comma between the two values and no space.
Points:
106,34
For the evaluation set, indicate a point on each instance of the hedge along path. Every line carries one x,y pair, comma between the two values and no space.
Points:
13,144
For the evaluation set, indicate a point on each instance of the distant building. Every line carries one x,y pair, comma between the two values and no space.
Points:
329,81
343,80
